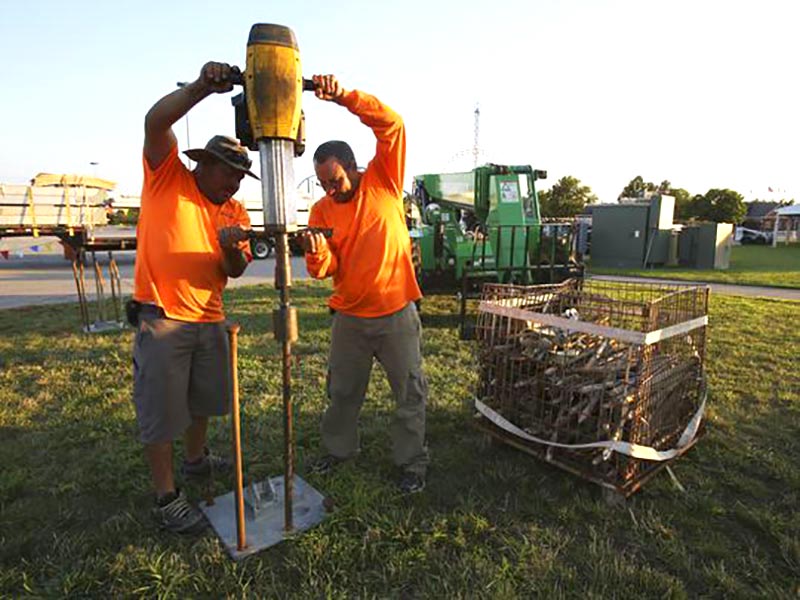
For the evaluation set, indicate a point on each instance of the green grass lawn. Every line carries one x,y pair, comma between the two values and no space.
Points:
749,265
493,522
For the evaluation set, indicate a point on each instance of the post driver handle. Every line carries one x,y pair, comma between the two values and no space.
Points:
237,78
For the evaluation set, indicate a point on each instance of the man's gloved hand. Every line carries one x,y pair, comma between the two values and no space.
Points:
229,237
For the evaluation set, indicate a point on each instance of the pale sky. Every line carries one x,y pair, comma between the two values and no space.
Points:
703,93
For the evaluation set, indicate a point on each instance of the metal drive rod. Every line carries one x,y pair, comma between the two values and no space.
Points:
277,192
116,288
236,434
283,281
77,273
98,286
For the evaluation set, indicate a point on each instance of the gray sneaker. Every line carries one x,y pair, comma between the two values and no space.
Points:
178,516
325,464
411,483
209,463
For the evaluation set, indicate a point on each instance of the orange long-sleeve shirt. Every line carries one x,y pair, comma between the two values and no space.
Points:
369,253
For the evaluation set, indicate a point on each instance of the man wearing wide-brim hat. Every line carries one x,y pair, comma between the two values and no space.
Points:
192,235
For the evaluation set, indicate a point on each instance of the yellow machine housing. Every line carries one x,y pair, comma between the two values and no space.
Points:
273,82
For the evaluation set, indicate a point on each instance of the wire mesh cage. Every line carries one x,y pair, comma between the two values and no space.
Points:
604,379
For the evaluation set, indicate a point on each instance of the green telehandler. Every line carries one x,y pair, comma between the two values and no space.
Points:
485,226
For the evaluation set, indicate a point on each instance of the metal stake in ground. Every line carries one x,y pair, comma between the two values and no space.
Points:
236,435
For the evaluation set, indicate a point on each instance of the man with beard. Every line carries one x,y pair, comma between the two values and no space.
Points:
374,287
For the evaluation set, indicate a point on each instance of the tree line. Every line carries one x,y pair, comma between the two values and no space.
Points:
568,197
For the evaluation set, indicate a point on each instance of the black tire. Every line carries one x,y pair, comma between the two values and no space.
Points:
261,249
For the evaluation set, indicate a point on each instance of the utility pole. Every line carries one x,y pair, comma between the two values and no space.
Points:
475,147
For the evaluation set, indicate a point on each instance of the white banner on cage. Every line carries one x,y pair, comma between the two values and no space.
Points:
627,448
623,335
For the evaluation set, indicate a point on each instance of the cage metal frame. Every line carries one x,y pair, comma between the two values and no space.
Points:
586,361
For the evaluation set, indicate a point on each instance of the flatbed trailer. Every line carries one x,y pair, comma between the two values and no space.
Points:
73,209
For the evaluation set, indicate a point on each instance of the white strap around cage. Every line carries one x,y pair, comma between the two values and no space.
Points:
626,448
623,335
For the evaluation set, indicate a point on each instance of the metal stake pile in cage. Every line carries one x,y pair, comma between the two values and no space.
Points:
604,379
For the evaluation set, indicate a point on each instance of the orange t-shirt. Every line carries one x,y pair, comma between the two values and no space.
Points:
178,256
369,253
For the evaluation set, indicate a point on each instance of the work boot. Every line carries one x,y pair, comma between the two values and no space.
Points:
174,513
205,465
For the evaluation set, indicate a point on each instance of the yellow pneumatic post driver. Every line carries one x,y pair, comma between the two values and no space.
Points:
269,119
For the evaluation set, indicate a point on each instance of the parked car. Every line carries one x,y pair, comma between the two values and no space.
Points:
745,235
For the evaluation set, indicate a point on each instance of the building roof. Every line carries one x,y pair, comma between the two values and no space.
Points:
758,209
793,210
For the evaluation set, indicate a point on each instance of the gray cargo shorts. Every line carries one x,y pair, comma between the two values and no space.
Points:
180,370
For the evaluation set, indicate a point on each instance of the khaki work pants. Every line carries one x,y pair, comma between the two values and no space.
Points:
395,340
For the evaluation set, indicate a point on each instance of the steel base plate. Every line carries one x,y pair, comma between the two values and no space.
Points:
102,326
267,528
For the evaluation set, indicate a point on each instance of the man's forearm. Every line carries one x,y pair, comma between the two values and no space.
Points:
234,262
389,132
372,112
167,111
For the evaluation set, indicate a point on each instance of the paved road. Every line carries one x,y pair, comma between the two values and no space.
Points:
48,279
